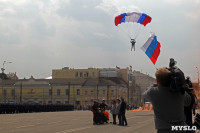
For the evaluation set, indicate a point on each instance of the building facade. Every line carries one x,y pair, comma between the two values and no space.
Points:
79,87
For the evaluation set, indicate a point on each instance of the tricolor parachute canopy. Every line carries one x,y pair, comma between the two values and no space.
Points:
140,18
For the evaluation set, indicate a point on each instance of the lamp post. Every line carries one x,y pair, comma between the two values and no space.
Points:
198,74
3,69
51,93
4,63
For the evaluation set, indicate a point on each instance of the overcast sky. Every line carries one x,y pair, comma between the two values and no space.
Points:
41,35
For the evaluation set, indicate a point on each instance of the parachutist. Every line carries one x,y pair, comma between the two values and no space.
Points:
133,44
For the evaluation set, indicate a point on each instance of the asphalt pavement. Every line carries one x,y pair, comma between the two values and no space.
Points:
74,122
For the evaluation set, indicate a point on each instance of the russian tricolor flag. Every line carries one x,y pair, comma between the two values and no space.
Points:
152,48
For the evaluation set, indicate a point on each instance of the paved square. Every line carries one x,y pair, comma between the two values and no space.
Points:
73,122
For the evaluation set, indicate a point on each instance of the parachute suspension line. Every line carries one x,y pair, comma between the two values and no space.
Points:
138,32
129,30
123,30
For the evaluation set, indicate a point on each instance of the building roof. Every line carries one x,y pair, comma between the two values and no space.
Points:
82,82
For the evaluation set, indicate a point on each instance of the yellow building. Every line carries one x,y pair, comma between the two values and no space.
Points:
66,73
79,87
78,92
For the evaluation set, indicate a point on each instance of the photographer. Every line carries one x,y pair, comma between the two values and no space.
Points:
168,104
191,108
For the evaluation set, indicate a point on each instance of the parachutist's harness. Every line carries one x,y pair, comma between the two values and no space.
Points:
133,44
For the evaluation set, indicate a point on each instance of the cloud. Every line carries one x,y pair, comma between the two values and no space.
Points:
179,2
103,35
49,34
194,15
14,2
114,7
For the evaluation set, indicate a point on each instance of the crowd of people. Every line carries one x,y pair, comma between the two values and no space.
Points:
173,100
7,108
118,110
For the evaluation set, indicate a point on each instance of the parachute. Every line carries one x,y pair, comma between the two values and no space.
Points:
128,19
141,18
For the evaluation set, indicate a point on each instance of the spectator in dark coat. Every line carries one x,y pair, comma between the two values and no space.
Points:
122,112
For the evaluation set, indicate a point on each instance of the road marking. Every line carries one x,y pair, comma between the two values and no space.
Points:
132,117
38,119
25,126
146,120
73,130
11,122
54,122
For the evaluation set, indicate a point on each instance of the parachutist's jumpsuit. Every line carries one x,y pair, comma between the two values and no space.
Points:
133,44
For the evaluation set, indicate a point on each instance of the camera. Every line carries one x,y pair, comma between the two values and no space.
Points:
177,79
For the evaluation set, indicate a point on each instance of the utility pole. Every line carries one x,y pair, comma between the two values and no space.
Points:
108,94
21,92
51,94
198,75
97,92
3,76
128,85
68,92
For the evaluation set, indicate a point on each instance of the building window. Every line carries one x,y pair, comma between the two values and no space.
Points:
78,92
66,92
86,74
66,102
76,74
50,92
112,92
13,93
104,92
4,92
81,74
93,74
86,93
58,102
91,93
58,92
49,102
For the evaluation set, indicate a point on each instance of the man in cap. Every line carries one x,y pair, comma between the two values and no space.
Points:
103,105
104,114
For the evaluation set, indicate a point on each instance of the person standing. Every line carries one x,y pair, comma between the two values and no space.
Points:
168,106
122,112
113,111
117,111
191,108
95,110
103,105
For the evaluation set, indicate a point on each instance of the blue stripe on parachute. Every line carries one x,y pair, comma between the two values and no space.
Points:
124,14
123,19
151,47
142,18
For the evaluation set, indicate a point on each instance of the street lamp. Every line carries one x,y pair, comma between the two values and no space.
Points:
4,63
198,74
3,76
51,92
